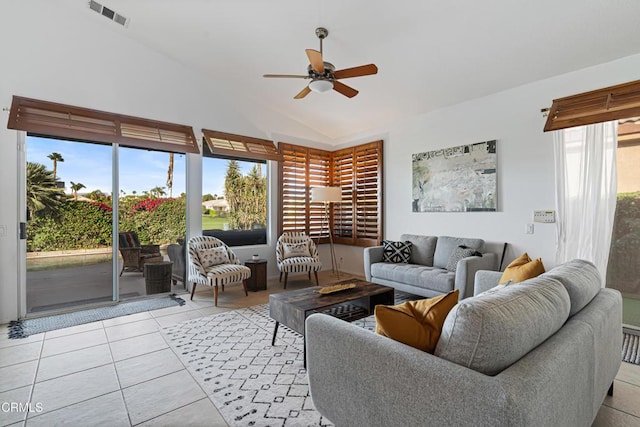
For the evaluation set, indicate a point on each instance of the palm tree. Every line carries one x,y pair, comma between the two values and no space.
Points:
75,187
42,193
55,157
157,192
170,174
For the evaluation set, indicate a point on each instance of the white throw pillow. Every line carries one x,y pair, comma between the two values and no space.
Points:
291,250
213,256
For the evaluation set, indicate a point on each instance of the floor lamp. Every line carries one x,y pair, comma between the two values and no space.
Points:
328,195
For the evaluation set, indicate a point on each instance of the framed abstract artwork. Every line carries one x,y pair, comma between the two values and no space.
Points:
456,179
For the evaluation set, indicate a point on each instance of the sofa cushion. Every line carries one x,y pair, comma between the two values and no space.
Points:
446,245
396,251
522,268
461,252
581,280
436,279
423,248
415,323
490,332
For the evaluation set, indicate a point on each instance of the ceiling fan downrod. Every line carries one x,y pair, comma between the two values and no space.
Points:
322,34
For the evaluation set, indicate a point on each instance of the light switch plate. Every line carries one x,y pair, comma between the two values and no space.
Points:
544,216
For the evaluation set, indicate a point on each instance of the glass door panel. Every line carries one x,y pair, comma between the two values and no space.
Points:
69,224
152,204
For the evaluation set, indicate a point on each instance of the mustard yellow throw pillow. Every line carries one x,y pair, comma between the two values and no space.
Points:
415,323
522,268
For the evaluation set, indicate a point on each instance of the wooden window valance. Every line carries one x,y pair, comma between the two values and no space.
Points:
602,105
66,121
238,146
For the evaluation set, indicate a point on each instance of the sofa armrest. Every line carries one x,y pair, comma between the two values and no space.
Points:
466,272
485,280
372,254
359,378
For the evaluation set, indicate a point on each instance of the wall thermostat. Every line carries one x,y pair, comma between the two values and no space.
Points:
544,216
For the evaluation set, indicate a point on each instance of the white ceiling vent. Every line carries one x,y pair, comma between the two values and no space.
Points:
105,11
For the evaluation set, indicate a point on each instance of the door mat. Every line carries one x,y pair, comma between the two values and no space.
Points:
631,347
24,328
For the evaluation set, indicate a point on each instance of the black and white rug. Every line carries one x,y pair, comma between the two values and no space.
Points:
25,327
631,347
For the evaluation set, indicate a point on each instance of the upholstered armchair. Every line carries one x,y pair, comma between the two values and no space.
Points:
134,255
212,263
296,253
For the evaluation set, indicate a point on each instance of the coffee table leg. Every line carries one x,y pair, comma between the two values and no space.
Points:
275,331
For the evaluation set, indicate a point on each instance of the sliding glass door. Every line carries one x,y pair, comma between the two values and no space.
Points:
69,224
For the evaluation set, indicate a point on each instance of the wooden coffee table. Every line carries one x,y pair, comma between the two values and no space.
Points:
291,308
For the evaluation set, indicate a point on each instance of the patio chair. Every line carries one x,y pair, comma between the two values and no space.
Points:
296,253
134,255
213,263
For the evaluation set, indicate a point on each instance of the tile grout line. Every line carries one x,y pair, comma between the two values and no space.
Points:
113,361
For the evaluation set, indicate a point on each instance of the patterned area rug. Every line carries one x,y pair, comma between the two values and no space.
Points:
24,328
631,347
251,382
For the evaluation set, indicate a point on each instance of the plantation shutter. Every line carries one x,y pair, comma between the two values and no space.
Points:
300,169
239,146
319,162
77,123
342,177
358,171
368,194
357,219
602,105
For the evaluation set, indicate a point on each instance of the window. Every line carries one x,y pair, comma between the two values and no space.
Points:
234,187
357,220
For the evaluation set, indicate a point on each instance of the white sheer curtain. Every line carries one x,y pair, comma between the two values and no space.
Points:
586,186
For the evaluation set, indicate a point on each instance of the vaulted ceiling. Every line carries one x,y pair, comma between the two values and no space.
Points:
430,54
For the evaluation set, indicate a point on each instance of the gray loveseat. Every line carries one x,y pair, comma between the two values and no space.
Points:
540,353
426,274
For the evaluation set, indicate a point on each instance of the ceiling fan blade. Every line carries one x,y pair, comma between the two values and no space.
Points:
363,70
304,92
285,76
344,89
315,59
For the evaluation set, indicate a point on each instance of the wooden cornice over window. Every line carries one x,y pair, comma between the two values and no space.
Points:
246,147
602,105
66,121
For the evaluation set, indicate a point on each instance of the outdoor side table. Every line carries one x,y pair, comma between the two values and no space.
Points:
258,279
157,277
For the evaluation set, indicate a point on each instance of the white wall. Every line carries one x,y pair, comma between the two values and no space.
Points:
525,161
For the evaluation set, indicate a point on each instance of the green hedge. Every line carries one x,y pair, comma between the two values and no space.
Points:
624,259
87,225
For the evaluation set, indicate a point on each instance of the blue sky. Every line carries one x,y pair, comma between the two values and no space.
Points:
140,170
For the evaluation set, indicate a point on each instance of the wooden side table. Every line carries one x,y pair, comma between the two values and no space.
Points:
258,279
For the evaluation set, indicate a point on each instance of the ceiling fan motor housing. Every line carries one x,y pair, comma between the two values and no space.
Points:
329,68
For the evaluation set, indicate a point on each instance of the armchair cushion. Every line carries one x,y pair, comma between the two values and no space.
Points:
213,256
294,250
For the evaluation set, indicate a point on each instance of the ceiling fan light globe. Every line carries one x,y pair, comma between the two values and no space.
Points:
321,86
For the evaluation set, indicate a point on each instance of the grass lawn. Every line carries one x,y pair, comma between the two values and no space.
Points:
212,223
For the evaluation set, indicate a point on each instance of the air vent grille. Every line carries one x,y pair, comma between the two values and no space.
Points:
108,13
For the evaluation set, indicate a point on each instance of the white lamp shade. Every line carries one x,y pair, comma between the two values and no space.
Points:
326,194
321,86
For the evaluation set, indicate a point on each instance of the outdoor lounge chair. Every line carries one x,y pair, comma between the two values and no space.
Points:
134,255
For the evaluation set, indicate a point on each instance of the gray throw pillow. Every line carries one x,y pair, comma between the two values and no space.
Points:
396,252
459,253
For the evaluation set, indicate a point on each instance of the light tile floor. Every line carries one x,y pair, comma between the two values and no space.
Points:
121,372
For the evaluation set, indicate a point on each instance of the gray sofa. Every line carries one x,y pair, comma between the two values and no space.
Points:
426,274
543,352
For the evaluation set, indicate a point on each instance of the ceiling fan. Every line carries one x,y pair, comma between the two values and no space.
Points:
324,76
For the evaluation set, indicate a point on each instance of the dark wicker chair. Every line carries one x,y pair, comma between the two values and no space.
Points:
177,255
134,255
